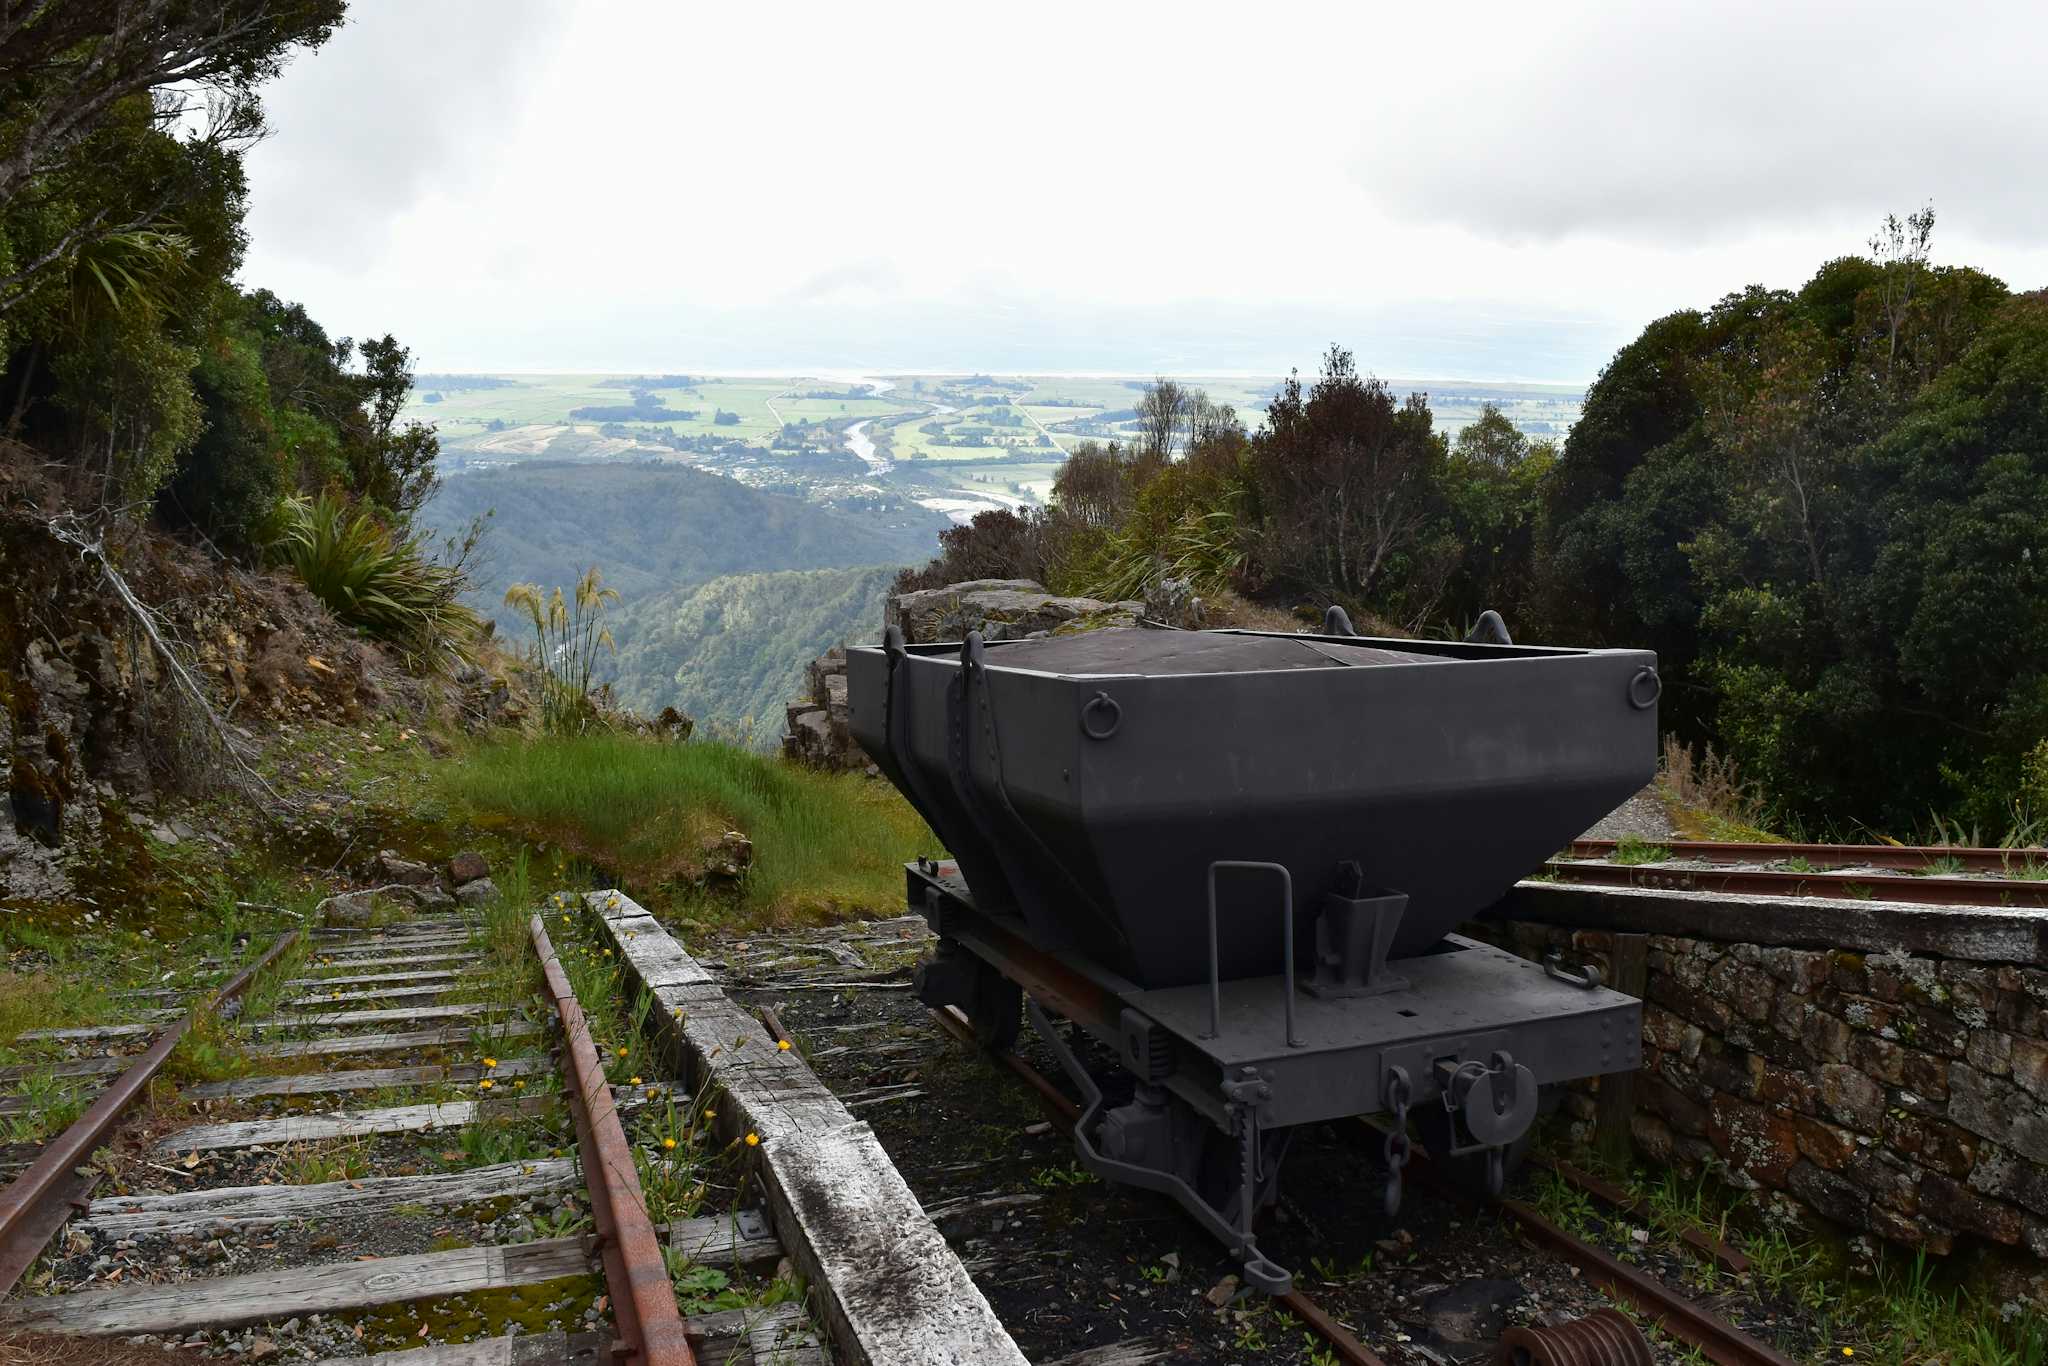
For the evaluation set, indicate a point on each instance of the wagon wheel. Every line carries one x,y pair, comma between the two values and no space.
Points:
997,1011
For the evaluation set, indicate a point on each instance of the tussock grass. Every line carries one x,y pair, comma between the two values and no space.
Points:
27,1001
824,844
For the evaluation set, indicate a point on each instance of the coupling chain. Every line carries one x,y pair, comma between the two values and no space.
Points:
1399,1146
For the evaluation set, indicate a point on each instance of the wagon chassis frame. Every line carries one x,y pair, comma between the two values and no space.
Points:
1229,1052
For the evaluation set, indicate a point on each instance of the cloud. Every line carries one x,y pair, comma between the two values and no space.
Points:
1690,124
407,100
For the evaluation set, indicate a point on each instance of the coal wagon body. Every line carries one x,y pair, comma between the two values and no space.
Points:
1236,859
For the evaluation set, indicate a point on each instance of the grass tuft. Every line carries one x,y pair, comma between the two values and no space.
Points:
643,810
1634,849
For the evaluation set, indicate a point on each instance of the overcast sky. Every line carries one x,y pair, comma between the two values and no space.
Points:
1483,190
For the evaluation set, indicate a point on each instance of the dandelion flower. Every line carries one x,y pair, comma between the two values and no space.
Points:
782,1045
490,1062
668,1143
622,1052
519,1085
635,1081
753,1140
484,1085
653,1091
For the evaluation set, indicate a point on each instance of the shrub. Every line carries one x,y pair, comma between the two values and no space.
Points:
390,589
567,634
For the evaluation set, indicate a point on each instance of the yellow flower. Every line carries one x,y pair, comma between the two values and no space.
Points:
622,1052
753,1140
711,1114
668,1143
519,1085
607,953
484,1085
782,1045
653,1091
490,1062
636,1081
677,1012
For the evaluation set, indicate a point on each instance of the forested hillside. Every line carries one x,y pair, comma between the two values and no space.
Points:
655,527
731,652
708,620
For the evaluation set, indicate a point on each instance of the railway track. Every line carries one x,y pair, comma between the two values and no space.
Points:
368,1185
1924,874
1714,1338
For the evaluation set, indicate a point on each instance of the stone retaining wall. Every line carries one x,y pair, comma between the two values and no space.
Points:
1900,1093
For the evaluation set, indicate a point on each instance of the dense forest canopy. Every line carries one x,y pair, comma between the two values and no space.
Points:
126,349
1826,509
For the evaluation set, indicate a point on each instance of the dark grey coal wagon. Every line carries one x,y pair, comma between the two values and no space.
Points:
1236,859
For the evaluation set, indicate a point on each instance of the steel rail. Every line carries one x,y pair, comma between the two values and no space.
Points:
1699,1243
1718,1340
1056,1102
1938,891
1910,858
1721,1341
651,1329
37,1203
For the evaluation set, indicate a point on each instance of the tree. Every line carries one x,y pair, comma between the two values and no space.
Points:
1900,250
1492,439
397,469
1347,480
74,69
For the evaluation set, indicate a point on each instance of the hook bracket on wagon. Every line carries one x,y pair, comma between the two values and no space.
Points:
1243,882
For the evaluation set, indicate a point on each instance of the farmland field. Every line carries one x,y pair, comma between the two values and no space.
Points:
953,443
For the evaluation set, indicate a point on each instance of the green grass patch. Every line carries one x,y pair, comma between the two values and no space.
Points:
1634,849
824,844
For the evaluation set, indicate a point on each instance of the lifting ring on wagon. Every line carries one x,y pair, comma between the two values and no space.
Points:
1250,900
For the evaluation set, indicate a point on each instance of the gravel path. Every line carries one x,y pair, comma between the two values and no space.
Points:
1642,815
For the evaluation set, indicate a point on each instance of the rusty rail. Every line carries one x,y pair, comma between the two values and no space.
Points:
39,1201
1700,1244
1058,1105
1911,858
643,1299
1939,891
1722,1342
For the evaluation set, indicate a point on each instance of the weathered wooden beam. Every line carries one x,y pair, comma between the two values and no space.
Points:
343,998
231,1301
392,1043
363,1079
1972,933
391,1119
891,1289
418,961
131,1216
106,1031
349,1019
779,1335
255,1133
363,979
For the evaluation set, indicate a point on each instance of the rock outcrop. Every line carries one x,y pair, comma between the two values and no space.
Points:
1001,609
817,734
95,731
